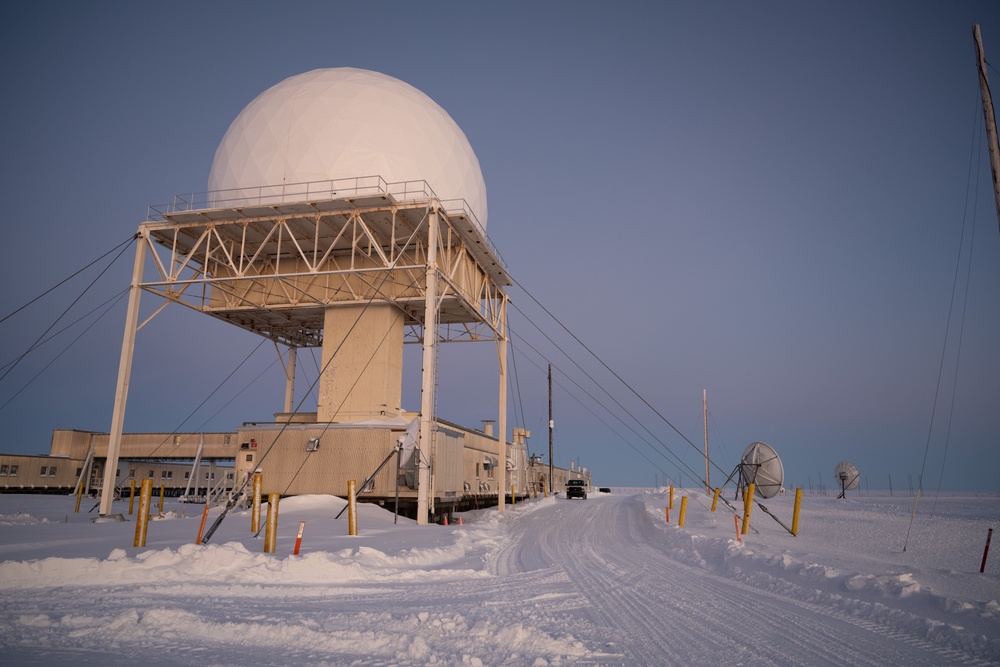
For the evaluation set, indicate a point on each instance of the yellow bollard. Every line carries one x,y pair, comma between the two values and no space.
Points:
747,506
513,498
352,508
162,487
79,495
258,483
142,520
684,506
545,490
715,498
666,513
671,504
795,512
131,497
271,529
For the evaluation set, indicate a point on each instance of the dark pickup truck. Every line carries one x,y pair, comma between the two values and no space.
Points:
576,488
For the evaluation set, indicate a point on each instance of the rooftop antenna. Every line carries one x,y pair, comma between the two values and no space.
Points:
847,474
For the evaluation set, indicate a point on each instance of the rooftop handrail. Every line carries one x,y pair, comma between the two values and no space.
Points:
335,188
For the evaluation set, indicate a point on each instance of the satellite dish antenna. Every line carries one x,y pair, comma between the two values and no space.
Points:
761,466
847,474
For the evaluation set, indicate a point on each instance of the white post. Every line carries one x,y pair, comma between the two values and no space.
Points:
124,374
429,370
193,477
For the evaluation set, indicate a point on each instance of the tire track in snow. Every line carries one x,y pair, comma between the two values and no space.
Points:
668,612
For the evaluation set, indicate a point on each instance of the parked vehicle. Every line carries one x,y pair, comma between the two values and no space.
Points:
576,488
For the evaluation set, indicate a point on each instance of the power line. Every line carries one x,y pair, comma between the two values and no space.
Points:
56,321
72,275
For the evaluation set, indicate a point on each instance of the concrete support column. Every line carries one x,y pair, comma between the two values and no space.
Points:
362,362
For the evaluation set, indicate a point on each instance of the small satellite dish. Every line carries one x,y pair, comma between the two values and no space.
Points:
847,474
761,466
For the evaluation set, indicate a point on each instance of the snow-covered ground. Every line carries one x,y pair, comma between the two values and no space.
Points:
602,581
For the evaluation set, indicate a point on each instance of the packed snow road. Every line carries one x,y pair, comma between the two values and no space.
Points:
653,609
601,581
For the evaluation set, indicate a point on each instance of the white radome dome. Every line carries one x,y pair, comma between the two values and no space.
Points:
345,123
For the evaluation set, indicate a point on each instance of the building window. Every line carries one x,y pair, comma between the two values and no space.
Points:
249,458
131,474
177,440
229,476
187,475
3,470
228,440
13,470
52,471
163,474
42,473
78,472
150,474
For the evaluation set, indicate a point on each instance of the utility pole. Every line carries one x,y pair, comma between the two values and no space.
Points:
551,427
991,122
704,402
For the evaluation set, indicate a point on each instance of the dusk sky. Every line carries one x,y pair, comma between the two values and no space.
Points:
779,203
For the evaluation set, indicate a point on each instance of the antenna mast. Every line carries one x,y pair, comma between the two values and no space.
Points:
991,123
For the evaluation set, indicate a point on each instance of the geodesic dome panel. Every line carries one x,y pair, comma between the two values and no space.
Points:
346,123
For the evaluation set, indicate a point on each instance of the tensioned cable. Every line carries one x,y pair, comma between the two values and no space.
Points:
64,350
598,384
114,297
613,430
586,407
376,291
17,310
326,426
609,369
56,321
522,419
224,405
973,152
676,459
961,330
207,398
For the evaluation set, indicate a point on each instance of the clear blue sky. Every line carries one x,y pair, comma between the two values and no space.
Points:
764,200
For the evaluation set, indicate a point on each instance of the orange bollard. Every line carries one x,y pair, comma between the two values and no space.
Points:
736,522
201,528
666,513
298,537
460,521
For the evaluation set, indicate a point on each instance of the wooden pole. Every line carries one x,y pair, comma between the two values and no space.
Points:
704,402
551,426
991,123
